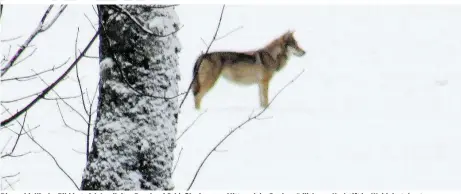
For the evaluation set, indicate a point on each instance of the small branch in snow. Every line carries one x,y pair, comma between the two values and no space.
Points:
250,118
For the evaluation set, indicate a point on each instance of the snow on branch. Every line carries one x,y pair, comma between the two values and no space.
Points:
140,23
250,118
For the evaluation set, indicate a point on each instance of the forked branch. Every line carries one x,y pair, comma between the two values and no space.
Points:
40,28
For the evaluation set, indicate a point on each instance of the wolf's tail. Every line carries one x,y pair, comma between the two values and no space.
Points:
195,81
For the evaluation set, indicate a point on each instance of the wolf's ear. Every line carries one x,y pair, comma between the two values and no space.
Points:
287,34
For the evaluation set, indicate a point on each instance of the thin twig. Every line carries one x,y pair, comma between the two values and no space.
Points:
65,123
91,23
6,144
17,138
26,57
188,127
10,176
78,152
238,127
177,161
10,39
10,185
22,98
78,76
208,48
49,154
39,73
229,33
70,106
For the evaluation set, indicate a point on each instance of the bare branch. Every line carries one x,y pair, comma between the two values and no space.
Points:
70,106
91,57
10,176
10,185
10,39
17,138
208,48
40,28
193,122
39,73
238,127
49,154
78,76
61,98
49,88
78,152
91,23
46,27
22,98
26,57
177,161
6,144
229,33
65,123
1,10
204,42
35,94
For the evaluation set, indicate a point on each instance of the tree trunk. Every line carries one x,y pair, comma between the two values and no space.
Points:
135,129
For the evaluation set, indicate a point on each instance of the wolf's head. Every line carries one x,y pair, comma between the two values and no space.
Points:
291,44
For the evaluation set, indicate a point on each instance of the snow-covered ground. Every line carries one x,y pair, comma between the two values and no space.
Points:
377,107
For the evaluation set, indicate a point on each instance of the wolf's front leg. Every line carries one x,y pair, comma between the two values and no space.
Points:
263,94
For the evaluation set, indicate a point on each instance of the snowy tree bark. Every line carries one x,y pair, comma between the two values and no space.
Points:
135,129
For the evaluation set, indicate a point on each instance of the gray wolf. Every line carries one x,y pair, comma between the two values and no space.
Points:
244,68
